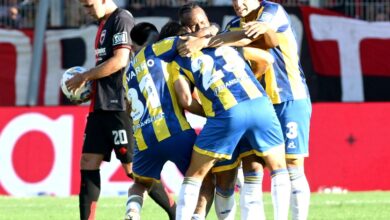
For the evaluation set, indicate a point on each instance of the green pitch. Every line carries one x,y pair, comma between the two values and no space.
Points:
367,205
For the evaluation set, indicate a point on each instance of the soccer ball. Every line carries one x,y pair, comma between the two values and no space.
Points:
82,94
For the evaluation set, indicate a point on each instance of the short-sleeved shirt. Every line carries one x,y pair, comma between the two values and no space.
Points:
108,93
285,80
155,111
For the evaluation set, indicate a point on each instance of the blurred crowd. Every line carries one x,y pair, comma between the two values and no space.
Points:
21,13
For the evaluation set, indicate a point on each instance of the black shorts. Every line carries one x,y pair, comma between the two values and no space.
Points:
107,130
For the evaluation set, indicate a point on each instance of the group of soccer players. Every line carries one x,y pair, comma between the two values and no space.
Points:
247,81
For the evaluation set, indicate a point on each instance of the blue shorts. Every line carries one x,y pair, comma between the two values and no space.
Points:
243,149
294,117
221,134
178,149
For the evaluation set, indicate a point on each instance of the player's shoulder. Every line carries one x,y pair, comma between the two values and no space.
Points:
123,14
235,22
271,7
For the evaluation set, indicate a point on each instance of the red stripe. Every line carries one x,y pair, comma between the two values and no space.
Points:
97,39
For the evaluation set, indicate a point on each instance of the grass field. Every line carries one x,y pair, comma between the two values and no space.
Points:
364,205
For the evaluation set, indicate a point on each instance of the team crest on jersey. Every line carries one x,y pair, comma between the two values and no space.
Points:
102,36
120,38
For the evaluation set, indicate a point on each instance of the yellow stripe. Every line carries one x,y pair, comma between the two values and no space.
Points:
271,86
140,140
274,150
212,154
225,96
159,126
226,167
162,46
291,59
141,144
206,104
144,178
189,75
177,109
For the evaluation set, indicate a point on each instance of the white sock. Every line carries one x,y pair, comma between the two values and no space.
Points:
300,194
251,197
280,190
188,198
198,217
225,205
134,203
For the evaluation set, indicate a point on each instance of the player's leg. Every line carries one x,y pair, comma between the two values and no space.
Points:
206,197
266,138
89,185
280,182
294,117
225,204
226,173
251,194
146,170
93,153
300,189
217,140
135,199
199,167
164,199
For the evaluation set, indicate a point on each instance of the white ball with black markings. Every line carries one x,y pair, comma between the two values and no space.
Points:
82,94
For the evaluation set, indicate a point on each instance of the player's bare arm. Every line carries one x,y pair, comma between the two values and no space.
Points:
112,65
184,96
255,29
232,38
260,60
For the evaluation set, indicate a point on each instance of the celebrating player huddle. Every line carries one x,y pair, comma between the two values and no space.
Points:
188,66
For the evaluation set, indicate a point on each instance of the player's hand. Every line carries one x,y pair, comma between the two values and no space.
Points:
189,45
254,29
76,82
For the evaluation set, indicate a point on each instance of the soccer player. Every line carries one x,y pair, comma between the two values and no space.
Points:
236,108
193,17
285,84
160,128
108,125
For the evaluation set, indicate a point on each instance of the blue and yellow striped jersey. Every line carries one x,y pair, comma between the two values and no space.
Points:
222,77
285,80
155,112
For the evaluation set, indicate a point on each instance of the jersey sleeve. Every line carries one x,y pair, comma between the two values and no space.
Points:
121,34
275,15
166,49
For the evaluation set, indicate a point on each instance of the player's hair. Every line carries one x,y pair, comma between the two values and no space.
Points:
172,28
186,9
144,33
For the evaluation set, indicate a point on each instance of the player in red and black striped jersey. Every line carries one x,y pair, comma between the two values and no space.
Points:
108,125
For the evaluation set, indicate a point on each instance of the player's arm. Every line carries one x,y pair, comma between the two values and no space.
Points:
210,31
259,59
118,61
233,38
185,97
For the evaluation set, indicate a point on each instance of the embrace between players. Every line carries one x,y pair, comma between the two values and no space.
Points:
252,124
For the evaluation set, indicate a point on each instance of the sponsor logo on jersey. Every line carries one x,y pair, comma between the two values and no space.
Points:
102,36
120,38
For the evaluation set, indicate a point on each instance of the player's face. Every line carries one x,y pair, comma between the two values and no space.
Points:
195,20
94,8
244,7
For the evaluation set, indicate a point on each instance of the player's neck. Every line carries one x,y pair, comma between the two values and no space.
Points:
110,8
252,16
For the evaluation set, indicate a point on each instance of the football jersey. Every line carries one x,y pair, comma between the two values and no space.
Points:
222,77
285,80
108,93
155,112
